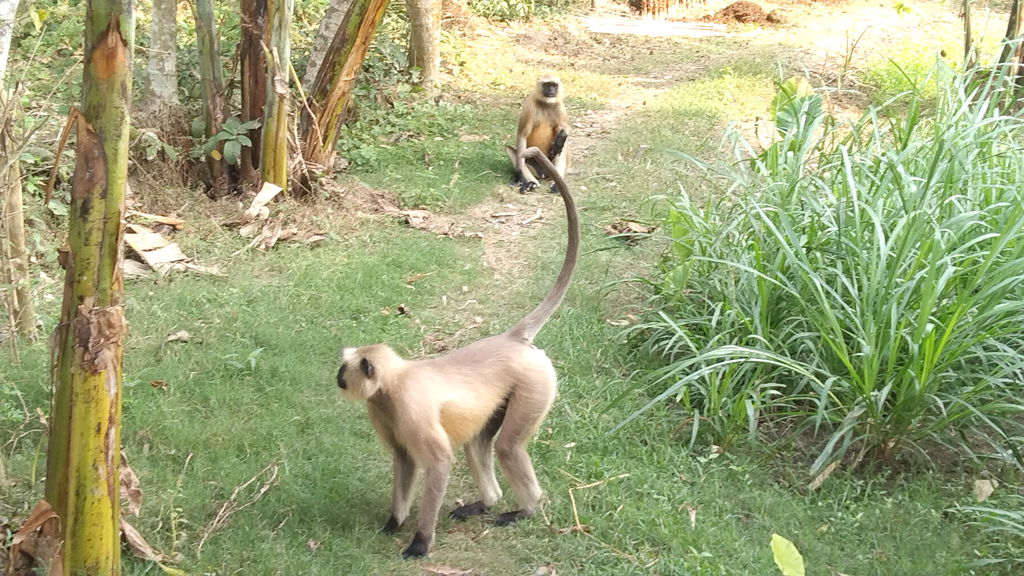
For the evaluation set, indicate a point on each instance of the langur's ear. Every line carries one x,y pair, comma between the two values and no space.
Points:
366,367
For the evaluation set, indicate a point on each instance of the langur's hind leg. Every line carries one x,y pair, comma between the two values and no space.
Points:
480,456
525,413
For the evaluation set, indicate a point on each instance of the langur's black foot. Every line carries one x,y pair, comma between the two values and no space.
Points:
418,548
510,518
526,186
473,509
391,526
554,189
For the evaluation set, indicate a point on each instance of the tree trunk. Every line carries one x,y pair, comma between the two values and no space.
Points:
83,455
274,156
325,33
424,39
336,78
8,9
254,80
12,219
1013,31
161,91
211,75
968,39
12,234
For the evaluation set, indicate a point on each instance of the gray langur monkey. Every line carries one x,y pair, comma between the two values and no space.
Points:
422,410
543,123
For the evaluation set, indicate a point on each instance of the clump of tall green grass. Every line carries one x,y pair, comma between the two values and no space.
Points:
864,282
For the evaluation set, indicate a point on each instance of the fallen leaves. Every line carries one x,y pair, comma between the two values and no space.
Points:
427,221
255,222
787,557
629,231
158,253
984,488
39,539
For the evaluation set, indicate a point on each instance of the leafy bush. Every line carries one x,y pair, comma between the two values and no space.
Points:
864,281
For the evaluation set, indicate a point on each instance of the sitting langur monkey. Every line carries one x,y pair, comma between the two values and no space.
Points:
543,123
425,409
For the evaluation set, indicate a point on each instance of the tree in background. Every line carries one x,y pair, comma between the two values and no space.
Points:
215,110
161,90
425,39
13,254
274,147
325,33
85,416
335,78
254,81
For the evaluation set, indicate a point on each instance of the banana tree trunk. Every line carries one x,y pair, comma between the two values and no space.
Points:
274,151
83,454
1013,33
212,88
254,80
335,80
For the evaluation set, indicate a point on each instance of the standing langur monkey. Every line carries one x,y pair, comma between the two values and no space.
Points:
425,409
543,123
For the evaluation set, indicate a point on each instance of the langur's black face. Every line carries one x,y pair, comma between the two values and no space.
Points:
341,377
549,89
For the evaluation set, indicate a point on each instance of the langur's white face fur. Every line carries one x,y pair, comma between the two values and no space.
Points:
359,375
488,397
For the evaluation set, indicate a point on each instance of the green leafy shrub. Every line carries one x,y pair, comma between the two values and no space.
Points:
863,282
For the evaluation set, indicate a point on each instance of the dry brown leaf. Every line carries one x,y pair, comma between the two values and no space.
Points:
39,538
128,487
313,544
167,254
134,269
178,224
137,544
412,279
983,488
158,384
179,336
617,322
445,570
820,479
691,511
473,137
143,241
264,197
548,570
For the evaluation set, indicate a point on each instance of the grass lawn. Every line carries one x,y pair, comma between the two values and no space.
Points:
254,387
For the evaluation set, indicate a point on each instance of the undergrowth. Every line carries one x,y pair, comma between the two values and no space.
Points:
860,283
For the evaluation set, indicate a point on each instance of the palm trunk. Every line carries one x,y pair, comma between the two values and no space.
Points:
336,78
212,87
274,154
83,456
161,90
425,39
254,80
1013,30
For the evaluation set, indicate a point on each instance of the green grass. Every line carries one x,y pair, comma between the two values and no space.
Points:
291,310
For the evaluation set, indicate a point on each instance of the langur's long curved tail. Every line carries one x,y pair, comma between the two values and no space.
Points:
529,326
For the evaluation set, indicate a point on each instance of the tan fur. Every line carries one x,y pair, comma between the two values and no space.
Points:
540,119
425,409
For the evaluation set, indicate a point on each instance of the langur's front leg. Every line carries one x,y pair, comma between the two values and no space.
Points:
528,180
436,458
559,155
401,491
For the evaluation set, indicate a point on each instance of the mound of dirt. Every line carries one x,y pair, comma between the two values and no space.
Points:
743,12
